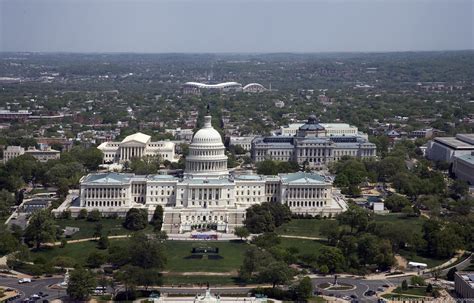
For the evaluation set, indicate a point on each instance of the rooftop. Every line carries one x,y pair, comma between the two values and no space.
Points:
139,137
468,158
454,143
302,177
108,178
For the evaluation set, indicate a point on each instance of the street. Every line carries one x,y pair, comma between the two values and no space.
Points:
36,286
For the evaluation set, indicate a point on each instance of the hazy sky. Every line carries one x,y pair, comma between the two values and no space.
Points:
235,25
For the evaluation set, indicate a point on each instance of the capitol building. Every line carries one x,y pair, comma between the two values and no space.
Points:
207,195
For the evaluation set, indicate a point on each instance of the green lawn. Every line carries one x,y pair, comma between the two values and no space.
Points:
414,222
86,229
303,246
301,227
310,227
76,252
176,251
232,254
416,291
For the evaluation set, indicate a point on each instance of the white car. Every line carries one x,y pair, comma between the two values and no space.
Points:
24,280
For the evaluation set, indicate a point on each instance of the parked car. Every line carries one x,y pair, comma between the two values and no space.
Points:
24,280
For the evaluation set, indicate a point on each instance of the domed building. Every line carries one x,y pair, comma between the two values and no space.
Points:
207,196
314,145
206,158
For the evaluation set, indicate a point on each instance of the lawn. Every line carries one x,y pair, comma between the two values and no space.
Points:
301,227
178,253
76,252
311,227
414,222
112,227
196,280
303,246
415,291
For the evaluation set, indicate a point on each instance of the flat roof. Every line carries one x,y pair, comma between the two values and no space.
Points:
454,143
468,158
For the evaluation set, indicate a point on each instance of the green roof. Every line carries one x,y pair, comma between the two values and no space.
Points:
302,177
108,178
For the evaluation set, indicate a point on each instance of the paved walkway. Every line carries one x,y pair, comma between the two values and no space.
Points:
303,237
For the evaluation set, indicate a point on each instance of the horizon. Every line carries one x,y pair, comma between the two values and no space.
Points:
239,26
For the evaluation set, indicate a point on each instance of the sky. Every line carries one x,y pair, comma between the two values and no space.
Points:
258,26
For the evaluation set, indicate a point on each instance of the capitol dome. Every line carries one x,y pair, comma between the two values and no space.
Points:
206,158
207,134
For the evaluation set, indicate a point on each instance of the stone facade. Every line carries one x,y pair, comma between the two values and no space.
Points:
207,195
312,146
136,146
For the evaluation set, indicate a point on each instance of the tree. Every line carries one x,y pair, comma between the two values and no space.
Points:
331,257
404,285
304,289
97,230
266,217
136,219
459,189
429,288
63,243
355,217
94,215
417,281
330,229
7,200
8,242
103,242
241,232
91,157
81,284
451,272
145,252
96,259
41,228
254,259
266,240
157,219
396,203
82,214
275,273
145,165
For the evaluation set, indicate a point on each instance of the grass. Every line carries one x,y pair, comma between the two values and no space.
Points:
303,246
301,227
75,252
415,291
86,228
177,251
415,223
311,227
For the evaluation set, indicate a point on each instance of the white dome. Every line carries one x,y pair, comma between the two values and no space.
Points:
207,135
206,158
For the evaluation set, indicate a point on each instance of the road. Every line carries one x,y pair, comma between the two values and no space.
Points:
28,289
